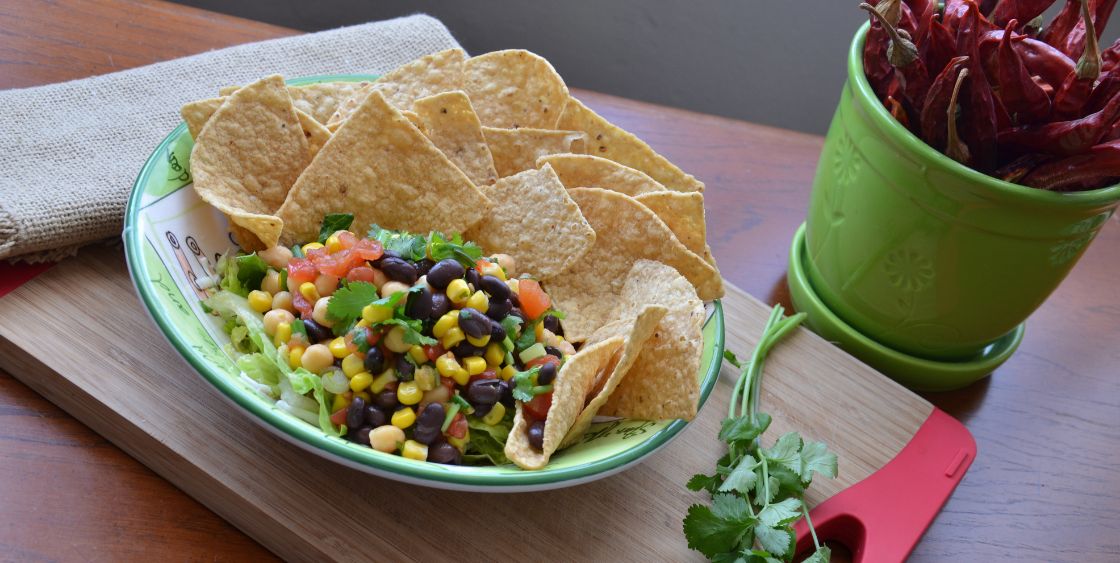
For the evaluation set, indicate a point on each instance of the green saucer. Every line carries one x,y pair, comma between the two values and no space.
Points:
914,372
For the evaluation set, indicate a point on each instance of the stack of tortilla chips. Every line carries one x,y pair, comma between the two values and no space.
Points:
496,148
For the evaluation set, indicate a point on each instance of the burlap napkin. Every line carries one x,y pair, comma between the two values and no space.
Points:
70,152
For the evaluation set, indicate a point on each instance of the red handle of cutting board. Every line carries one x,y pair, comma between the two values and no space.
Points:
881,518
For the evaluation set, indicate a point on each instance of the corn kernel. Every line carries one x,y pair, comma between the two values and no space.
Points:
508,372
479,301
260,301
513,285
338,348
295,357
307,289
376,313
460,443
495,415
352,365
340,402
388,376
418,355
415,450
453,337
361,381
461,376
458,292
363,323
426,378
403,418
409,393
480,342
445,323
493,269
283,333
539,330
447,365
474,364
494,354
333,244
311,246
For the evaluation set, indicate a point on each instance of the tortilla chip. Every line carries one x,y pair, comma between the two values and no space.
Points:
515,88
612,142
683,213
637,330
414,118
382,169
227,90
515,150
197,113
426,76
626,231
569,391
448,119
589,171
316,133
320,101
249,155
535,221
664,382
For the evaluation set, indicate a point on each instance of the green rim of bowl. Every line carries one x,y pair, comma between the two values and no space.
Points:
1007,191
309,435
916,373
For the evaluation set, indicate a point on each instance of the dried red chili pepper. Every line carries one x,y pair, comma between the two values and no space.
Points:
1070,98
1106,88
1074,41
1110,57
937,100
1097,167
1050,64
956,149
903,56
921,37
876,67
897,111
942,47
1020,94
1022,10
982,118
920,6
1017,169
1059,28
1063,137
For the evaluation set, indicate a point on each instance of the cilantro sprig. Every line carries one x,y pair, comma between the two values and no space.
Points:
435,245
334,222
525,386
757,493
345,307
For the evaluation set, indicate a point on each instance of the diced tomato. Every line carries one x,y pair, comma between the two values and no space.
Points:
534,301
538,407
545,359
346,239
367,249
448,383
458,427
338,264
302,305
360,274
375,337
433,352
339,417
302,270
481,263
391,386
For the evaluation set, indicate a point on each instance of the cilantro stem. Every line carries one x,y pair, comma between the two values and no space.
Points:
809,521
765,481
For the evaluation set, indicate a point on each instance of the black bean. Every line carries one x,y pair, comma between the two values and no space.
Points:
375,361
386,254
553,324
547,374
513,298
428,424
356,414
482,410
465,350
443,272
497,331
386,399
399,269
405,369
507,394
554,351
376,416
440,306
495,287
444,453
317,332
360,436
472,277
424,266
473,322
420,304
484,392
536,434
499,308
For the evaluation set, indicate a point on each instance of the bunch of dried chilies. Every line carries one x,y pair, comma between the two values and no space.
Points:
993,88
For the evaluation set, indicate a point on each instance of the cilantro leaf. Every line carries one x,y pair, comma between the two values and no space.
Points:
251,270
742,478
786,451
512,324
441,248
345,305
525,387
701,482
528,336
407,245
815,458
744,428
822,555
780,513
719,528
334,222
778,541
412,330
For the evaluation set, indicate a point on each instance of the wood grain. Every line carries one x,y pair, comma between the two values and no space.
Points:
115,372
1044,485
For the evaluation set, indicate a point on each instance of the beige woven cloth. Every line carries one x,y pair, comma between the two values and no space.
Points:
70,152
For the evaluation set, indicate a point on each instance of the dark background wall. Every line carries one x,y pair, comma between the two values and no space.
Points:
780,63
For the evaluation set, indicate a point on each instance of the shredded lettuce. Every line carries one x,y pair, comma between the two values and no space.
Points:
488,442
241,274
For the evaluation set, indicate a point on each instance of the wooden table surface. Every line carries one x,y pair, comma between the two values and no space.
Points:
1044,486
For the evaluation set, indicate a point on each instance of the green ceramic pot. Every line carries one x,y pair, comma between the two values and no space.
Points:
925,255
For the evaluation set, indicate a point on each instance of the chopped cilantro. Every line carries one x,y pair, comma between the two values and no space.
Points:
345,305
334,222
407,245
528,336
525,385
440,248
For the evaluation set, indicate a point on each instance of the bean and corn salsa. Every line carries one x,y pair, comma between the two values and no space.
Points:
412,344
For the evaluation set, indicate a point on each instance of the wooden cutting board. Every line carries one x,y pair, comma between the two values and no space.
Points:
78,335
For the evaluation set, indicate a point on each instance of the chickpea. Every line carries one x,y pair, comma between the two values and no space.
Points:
283,300
277,256
391,287
271,282
317,358
379,278
438,395
506,262
319,313
273,318
293,286
385,438
326,284
394,340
